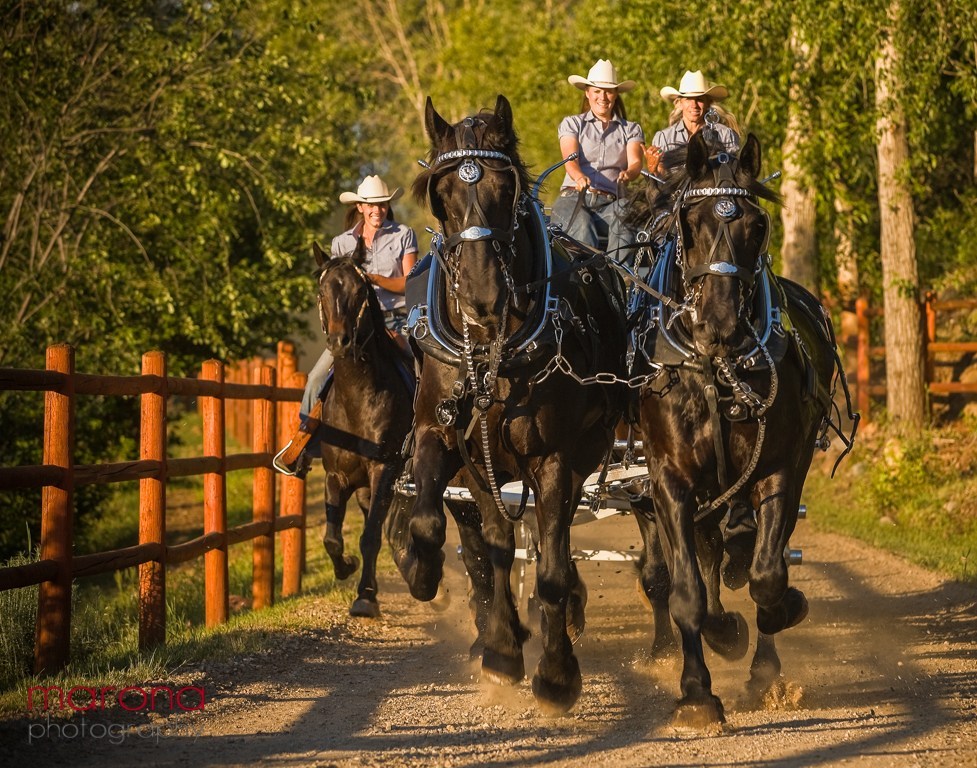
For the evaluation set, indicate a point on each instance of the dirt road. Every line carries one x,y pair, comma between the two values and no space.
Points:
882,673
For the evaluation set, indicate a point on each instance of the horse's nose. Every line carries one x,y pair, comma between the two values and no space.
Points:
712,341
338,343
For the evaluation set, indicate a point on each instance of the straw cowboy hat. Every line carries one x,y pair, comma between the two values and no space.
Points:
693,86
373,189
601,75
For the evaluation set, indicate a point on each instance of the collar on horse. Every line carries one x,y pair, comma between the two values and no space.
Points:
762,308
428,322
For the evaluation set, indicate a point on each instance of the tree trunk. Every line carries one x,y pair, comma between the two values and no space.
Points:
905,385
846,259
799,252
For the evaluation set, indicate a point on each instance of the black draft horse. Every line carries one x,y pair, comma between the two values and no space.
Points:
366,414
745,394
494,396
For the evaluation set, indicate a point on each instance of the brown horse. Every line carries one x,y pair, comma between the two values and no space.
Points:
509,327
748,374
366,414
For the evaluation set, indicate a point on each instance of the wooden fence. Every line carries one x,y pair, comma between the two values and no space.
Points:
268,406
868,386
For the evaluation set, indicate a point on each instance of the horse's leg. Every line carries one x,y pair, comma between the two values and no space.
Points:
698,708
475,555
557,683
779,606
382,478
726,632
502,657
764,670
337,496
653,578
419,553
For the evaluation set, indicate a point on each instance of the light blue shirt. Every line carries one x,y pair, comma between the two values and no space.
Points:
603,151
677,135
385,257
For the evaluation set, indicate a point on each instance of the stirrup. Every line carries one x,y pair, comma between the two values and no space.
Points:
302,463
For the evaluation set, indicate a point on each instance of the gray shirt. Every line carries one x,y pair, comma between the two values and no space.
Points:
603,152
677,135
391,243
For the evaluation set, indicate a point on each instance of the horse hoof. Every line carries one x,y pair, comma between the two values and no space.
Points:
728,635
501,669
555,698
790,612
699,716
365,608
344,566
423,577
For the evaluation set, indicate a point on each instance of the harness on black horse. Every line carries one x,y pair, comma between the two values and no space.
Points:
560,288
766,302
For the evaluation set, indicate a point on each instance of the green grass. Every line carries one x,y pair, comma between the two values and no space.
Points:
915,495
104,641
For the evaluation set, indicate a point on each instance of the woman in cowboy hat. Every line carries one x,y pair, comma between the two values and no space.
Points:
609,149
391,250
692,99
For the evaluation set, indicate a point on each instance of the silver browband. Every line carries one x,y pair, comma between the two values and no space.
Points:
488,154
717,192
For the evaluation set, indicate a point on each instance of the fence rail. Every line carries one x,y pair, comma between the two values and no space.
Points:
867,386
260,411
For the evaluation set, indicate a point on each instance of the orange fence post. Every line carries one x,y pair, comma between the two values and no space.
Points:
286,364
863,364
152,507
263,556
292,503
215,498
53,627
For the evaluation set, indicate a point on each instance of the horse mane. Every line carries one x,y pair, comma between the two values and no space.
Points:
497,136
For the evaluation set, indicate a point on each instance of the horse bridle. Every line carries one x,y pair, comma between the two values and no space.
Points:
470,162
727,211
331,266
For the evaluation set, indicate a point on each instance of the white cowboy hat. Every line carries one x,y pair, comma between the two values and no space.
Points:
373,189
601,75
694,85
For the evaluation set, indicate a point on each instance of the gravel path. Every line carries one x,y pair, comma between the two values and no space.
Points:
882,673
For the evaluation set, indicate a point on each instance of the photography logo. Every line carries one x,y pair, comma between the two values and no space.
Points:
159,699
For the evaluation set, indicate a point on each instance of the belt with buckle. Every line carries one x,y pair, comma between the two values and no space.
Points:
572,191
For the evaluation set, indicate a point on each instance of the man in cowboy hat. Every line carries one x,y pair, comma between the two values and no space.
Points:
391,250
608,148
692,99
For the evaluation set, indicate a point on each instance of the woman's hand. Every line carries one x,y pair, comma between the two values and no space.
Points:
653,156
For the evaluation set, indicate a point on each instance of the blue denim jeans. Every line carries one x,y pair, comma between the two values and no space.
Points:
597,219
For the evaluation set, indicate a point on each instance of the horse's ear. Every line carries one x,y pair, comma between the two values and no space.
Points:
503,111
697,159
359,253
750,157
320,255
437,127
